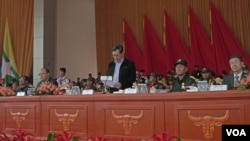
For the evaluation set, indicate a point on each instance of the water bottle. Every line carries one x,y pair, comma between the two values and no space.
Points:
142,88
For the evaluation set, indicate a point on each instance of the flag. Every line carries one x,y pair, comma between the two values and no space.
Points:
9,69
175,47
201,51
154,58
132,51
224,42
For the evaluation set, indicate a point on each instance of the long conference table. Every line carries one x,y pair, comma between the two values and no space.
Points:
194,116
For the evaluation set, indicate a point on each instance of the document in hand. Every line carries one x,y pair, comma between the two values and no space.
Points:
107,81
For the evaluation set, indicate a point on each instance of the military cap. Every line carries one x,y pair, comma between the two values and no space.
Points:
205,70
181,61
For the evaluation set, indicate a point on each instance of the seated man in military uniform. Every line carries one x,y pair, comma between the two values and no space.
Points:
90,84
182,79
196,73
206,75
152,82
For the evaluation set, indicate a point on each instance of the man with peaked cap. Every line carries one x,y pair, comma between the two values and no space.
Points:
196,73
206,75
152,82
90,84
182,79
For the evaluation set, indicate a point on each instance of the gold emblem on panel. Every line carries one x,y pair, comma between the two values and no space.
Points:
19,117
66,119
208,123
127,121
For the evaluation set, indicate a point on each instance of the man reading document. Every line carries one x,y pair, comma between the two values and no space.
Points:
121,69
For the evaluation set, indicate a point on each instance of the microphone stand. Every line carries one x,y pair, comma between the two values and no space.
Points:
104,90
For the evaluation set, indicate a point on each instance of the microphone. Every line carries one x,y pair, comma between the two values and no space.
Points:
104,90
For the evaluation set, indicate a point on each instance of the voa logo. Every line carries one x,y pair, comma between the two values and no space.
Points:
236,132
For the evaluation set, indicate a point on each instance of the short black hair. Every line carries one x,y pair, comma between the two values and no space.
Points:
118,47
236,56
63,69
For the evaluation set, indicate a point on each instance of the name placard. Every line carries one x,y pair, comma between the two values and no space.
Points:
218,87
87,92
119,92
20,94
130,91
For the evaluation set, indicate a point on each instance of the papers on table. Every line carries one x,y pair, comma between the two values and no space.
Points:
107,80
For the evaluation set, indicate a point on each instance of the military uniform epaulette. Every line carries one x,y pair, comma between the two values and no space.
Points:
195,79
218,81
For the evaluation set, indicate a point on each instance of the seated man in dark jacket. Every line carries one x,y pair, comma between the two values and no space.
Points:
23,84
45,78
236,64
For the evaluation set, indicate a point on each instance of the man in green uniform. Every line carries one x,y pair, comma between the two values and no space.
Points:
206,75
182,79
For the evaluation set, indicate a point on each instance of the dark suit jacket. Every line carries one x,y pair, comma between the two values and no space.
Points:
229,80
50,80
126,73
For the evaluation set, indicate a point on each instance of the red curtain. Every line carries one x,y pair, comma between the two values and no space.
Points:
154,58
132,51
175,48
224,42
201,51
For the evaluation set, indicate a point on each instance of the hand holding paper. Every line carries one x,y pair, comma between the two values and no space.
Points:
107,81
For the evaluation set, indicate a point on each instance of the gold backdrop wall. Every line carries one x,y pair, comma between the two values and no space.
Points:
109,15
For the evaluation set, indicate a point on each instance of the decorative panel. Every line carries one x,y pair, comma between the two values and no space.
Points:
203,121
66,117
19,115
131,120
